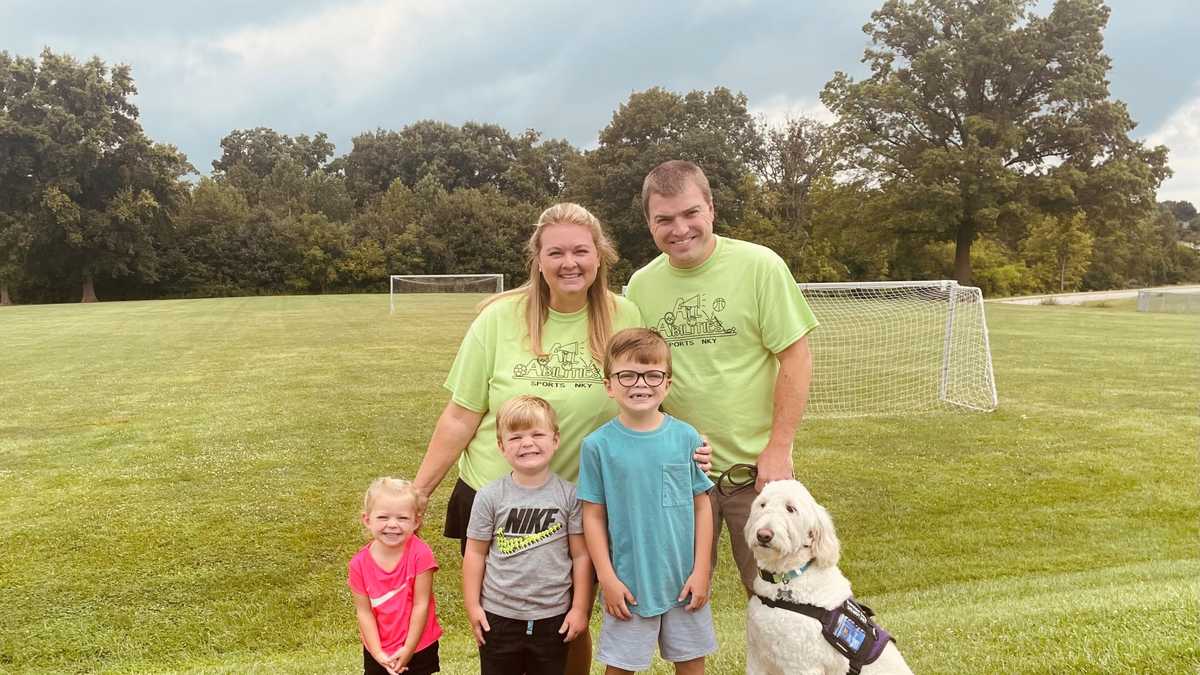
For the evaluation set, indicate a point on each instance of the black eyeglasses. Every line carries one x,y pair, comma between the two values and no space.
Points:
737,478
628,378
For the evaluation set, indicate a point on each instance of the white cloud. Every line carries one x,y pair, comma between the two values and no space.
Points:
348,48
776,110
1181,134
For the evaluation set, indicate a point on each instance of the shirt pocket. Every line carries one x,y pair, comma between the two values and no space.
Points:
677,485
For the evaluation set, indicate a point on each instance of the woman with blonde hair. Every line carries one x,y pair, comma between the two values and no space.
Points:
545,338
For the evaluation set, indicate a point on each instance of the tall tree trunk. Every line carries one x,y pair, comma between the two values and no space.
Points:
962,252
4,298
89,288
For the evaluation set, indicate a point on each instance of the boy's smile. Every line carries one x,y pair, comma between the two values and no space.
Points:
638,388
529,451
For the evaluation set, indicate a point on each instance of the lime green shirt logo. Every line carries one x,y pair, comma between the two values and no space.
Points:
693,317
570,362
509,544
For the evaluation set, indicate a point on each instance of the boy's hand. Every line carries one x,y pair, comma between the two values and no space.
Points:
479,623
575,623
616,595
703,455
697,586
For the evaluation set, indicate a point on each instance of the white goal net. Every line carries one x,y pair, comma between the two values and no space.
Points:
1171,302
443,283
890,348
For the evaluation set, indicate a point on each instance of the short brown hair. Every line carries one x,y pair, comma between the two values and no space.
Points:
671,178
525,412
641,345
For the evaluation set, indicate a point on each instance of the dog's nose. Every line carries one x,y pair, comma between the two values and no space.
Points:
764,536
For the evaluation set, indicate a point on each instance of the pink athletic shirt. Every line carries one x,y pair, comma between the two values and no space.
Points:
391,593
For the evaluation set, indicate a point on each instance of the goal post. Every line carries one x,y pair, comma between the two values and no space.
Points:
899,347
1172,301
442,283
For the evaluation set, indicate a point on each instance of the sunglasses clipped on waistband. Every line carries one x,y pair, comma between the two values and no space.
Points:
736,478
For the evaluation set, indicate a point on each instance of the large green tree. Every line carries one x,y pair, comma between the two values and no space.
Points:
83,188
475,155
711,128
974,105
286,176
256,152
799,159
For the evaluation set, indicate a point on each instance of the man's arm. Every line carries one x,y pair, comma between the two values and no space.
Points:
791,397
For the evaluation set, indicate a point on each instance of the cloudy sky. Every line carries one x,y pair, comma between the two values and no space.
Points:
349,66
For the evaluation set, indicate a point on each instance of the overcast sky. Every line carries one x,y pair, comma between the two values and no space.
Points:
345,67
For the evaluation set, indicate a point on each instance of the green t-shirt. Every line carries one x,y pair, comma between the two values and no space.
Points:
725,320
495,363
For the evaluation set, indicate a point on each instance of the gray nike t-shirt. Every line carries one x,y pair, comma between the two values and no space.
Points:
528,572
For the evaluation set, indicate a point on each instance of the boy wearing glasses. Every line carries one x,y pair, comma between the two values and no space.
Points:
647,519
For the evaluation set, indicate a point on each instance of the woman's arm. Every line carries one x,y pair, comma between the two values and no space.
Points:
455,428
369,629
473,567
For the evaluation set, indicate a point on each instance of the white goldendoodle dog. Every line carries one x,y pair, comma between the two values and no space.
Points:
797,551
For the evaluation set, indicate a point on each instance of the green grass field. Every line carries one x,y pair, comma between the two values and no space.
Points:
180,484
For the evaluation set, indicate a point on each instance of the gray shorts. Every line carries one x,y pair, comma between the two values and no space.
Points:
679,634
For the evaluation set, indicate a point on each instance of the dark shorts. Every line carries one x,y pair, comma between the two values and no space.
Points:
515,646
458,513
423,662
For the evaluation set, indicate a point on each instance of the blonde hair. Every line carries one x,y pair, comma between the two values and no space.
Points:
642,345
393,486
672,178
525,412
600,302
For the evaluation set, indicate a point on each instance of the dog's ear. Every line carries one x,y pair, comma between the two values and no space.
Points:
826,549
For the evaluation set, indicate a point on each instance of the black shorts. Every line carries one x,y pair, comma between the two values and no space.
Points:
516,646
423,662
458,513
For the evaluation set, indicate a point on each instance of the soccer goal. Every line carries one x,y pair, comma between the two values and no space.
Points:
442,283
899,347
1183,301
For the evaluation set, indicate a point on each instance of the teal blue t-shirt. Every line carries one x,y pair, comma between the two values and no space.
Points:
646,480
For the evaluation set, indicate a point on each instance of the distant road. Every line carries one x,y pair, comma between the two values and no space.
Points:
1092,296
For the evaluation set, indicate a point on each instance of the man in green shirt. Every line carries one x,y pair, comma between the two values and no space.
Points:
737,325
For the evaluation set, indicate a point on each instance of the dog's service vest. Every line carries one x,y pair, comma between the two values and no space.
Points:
849,627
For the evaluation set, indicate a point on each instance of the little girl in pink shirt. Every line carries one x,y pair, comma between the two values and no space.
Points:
391,582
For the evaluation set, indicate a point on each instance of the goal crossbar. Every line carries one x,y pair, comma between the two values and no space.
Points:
399,284
899,347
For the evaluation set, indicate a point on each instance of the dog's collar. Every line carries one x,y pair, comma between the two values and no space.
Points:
782,577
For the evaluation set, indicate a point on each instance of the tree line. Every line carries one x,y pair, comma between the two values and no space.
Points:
983,146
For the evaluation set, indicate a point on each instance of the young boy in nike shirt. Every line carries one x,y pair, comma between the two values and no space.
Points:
647,517
527,581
